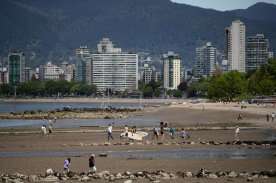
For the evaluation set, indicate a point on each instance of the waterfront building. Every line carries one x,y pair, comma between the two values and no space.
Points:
270,55
28,74
171,70
113,69
16,67
83,52
147,73
257,51
50,72
4,76
205,60
235,46
157,76
68,71
80,72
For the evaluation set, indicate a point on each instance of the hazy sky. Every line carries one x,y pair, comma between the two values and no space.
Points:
223,4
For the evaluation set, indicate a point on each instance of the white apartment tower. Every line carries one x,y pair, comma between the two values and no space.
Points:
113,69
235,46
172,67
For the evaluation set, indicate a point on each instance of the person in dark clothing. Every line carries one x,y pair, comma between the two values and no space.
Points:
92,165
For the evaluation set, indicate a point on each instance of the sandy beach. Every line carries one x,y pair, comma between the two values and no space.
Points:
16,149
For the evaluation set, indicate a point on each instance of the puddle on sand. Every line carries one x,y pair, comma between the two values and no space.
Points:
187,153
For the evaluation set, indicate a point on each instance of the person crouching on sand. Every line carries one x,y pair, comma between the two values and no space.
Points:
66,165
92,164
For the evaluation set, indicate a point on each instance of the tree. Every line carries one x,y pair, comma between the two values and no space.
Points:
148,92
183,86
177,94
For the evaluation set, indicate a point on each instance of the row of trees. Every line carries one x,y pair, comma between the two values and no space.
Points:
48,88
237,86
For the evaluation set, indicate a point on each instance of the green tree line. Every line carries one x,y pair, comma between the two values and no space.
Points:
48,89
233,85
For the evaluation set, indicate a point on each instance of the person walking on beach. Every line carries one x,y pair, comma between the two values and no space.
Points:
162,130
155,133
184,134
237,132
66,165
109,132
267,118
92,164
272,116
50,126
239,117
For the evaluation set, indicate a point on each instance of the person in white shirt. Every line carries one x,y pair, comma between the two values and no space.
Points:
44,130
272,116
109,132
237,132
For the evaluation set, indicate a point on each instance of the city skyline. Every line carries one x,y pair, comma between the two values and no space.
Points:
223,5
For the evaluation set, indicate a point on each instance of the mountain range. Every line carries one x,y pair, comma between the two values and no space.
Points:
52,29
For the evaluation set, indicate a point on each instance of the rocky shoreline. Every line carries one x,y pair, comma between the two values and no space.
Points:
129,177
71,113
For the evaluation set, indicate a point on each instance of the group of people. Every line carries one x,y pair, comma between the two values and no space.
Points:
172,132
44,129
91,164
273,115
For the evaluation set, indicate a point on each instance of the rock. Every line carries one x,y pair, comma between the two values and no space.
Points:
111,178
212,176
103,155
127,173
128,181
250,179
243,174
156,181
188,174
49,171
220,174
232,174
85,179
50,178
107,144
33,178
15,181
118,176
165,175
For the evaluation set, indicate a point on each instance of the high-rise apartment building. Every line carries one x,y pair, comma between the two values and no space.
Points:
83,52
235,46
172,69
16,67
147,73
205,60
113,69
80,72
257,51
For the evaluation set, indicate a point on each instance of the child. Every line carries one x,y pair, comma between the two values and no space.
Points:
66,165
92,165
